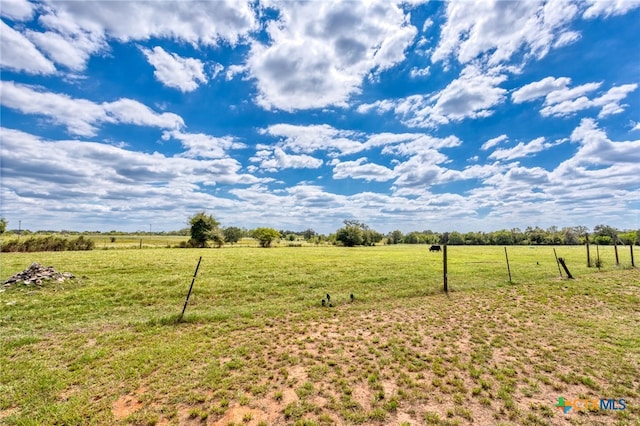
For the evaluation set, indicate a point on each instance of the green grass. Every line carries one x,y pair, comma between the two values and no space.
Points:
256,346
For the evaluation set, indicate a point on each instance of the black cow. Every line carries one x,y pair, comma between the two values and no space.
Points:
434,247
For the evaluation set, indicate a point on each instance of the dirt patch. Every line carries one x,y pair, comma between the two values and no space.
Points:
241,415
128,404
8,412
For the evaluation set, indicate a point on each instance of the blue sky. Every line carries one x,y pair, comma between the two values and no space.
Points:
404,115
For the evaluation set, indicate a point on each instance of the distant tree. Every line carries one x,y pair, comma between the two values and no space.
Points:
308,234
534,235
265,236
413,238
570,236
395,237
606,231
204,227
474,238
232,234
502,237
628,237
350,236
356,233
3,225
371,237
455,238
603,240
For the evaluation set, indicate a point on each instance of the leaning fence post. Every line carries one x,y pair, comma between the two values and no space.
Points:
598,255
557,263
615,248
508,267
564,266
631,248
444,268
184,308
588,255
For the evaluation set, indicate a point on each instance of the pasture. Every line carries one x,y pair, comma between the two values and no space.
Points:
256,346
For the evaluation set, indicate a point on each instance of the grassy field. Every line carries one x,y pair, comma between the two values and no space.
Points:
256,346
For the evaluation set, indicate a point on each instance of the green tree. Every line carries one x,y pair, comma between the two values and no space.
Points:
350,236
232,234
309,234
606,231
395,237
455,238
502,237
3,225
265,236
203,228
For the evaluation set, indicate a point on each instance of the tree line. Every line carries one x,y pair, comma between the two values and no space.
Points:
204,230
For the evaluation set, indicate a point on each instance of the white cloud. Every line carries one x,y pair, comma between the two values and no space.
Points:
320,52
597,148
19,53
17,10
276,159
361,169
200,145
609,8
72,51
81,116
493,142
539,89
521,150
419,72
208,23
174,71
560,100
497,30
308,139
472,95
92,183
380,107
77,30
610,101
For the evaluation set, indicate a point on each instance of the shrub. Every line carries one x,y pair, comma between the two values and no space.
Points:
50,243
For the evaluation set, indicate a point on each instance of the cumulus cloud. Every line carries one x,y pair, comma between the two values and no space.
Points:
320,52
493,142
74,31
174,71
496,30
308,139
81,116
539,89
561,100
72,51
598,8
20,54
523,149
17,10
361,169
200,145
597,148
472,95
197,23
100,180
277,159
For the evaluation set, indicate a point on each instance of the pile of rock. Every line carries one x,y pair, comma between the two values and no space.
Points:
36,274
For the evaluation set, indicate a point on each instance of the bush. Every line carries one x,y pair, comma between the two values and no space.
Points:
50,243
